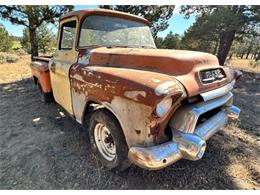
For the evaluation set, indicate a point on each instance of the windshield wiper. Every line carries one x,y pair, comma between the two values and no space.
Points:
111,46
122,46
141,46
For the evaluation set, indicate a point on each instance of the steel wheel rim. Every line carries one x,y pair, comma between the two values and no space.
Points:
105,142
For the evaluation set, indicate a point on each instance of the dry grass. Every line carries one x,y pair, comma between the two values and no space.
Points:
243,166
244,64
19,70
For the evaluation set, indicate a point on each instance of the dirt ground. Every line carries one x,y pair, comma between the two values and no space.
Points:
41,148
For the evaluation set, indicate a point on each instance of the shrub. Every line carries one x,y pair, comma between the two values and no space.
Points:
8,58
20,52
11,58
255,64
2,58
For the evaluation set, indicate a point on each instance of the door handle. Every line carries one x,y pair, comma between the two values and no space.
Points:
53,66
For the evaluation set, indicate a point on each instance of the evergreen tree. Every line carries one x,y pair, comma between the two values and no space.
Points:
32,16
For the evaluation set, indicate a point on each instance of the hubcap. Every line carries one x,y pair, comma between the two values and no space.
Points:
105,142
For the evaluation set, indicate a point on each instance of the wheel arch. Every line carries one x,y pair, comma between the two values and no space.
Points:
91,106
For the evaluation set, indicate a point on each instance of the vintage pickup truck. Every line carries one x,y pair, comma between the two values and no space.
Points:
141,105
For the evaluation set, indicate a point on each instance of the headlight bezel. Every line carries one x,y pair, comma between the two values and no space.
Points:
164,106
171,92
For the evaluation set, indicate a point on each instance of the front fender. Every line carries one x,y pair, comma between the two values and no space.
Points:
130,94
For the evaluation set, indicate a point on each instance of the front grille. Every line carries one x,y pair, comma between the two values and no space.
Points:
207,115
186,117
212,75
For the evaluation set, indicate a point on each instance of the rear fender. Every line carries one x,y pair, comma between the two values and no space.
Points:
41,72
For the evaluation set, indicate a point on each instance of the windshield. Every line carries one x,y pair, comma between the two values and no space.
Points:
111,31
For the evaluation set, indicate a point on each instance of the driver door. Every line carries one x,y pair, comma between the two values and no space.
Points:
59,66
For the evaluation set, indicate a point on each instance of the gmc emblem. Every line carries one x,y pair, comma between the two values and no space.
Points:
208,76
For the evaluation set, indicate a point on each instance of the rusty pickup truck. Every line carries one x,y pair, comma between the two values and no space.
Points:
141,105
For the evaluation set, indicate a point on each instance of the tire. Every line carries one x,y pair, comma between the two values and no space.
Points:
117,160
45,97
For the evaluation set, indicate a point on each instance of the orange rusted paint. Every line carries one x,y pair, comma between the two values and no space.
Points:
81,14
102,84
183,65
41,72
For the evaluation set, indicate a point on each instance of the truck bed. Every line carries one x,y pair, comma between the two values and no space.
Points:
40,63
42,58
41,74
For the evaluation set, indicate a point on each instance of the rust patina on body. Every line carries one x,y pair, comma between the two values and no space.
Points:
135,84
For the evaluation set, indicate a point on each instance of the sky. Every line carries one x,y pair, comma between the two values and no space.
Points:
177,23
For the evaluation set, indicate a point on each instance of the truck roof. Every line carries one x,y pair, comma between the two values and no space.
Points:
81,14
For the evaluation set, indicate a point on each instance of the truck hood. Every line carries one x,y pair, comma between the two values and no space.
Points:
174,62
183,65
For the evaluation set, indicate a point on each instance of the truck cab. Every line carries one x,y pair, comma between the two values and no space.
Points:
141,105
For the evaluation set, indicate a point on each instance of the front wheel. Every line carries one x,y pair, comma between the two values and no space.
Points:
108,141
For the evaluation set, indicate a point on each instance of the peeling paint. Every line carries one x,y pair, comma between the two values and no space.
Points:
156,80
129,95
84,59
89,68
167,88
78,77
134,94
78,102
133,116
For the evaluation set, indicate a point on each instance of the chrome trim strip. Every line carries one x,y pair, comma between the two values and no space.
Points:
212,125
217,92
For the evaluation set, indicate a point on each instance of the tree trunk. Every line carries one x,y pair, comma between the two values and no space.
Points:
34,43
230,56
216,47
258,57
254,56
248,51
225,43
247,54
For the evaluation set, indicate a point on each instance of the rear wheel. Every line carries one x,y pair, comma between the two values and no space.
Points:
108,141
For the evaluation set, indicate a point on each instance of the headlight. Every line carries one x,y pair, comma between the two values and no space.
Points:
163,107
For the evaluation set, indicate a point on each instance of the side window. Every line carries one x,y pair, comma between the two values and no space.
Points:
68,31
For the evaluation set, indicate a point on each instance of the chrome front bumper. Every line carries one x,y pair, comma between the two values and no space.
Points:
189,138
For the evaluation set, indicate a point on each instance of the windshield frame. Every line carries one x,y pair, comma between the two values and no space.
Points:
78,47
